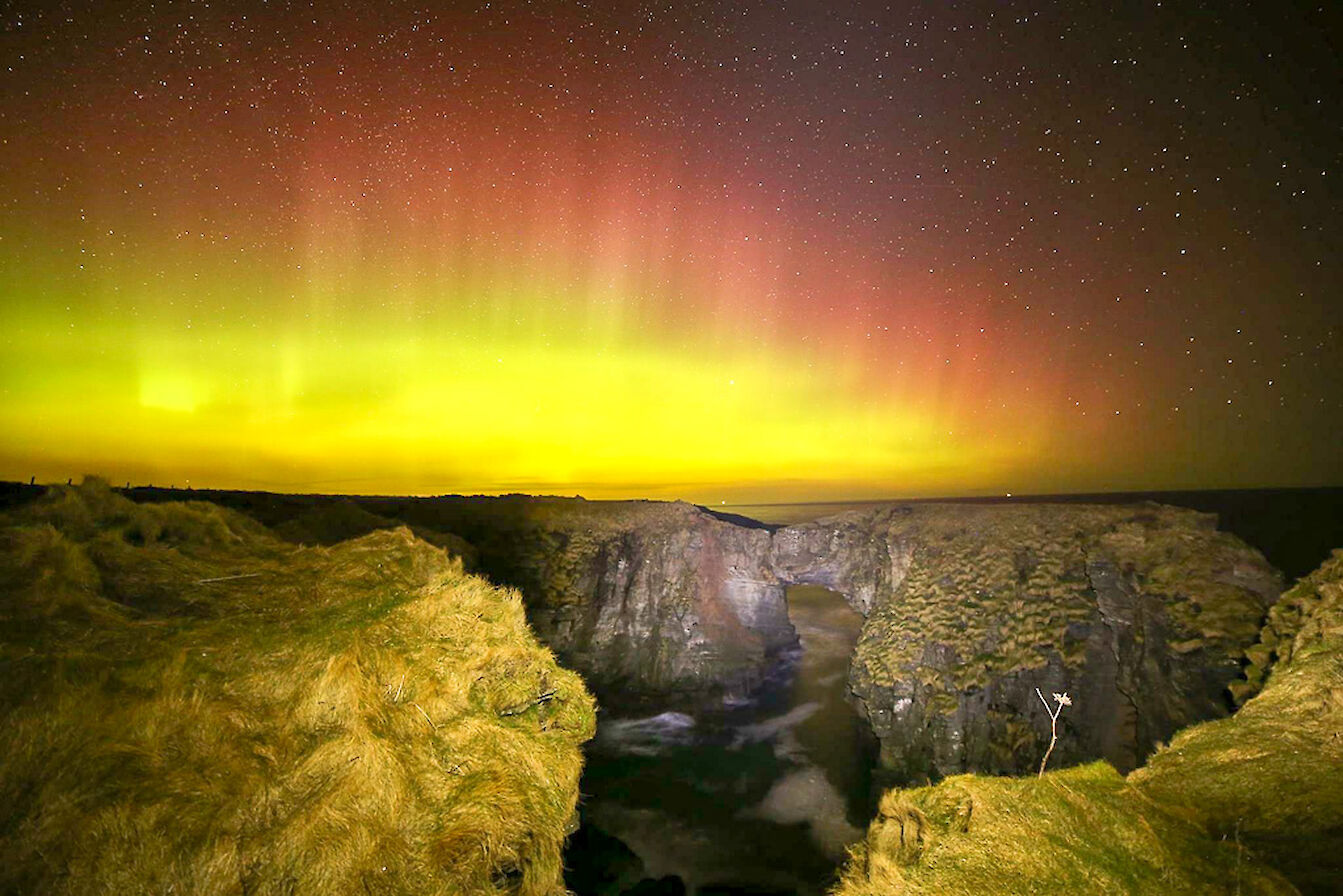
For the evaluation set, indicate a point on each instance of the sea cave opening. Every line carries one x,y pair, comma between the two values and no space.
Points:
750,796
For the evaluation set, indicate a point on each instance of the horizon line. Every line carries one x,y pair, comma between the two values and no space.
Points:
996,496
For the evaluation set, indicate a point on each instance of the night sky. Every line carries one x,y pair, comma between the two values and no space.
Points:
721,251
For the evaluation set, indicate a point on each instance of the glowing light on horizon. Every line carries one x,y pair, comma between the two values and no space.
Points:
494,253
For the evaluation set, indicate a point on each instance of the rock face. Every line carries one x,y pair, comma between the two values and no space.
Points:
645,599
1140,612
664,605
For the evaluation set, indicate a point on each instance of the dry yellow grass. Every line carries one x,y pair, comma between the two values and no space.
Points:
192,706
1080,830
1272,774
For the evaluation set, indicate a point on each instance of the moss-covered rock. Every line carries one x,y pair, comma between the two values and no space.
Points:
1142,612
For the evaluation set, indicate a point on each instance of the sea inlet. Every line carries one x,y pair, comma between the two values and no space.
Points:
758,796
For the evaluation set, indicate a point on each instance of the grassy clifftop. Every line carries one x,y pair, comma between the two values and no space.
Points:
194,706
1272,774
1080,830
1248,804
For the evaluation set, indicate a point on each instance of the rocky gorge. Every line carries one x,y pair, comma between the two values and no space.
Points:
1142,613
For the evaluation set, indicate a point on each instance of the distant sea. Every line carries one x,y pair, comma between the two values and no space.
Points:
1295,528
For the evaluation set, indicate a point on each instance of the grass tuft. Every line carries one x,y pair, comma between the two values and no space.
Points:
1080,830
195,706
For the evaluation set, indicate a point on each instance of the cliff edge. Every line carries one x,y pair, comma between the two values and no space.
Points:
1250,804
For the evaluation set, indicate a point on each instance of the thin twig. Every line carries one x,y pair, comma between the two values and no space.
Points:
398,688
426,715
1062,700
245,575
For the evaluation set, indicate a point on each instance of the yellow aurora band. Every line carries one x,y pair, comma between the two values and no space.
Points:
372,400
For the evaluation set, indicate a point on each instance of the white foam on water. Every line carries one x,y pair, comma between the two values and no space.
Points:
773,727
806,795
647,736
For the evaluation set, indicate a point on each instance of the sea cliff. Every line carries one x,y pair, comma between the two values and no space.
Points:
1142,612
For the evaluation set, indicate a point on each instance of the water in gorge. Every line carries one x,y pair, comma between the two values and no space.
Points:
760,797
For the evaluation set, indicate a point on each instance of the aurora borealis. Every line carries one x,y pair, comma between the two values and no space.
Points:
719,251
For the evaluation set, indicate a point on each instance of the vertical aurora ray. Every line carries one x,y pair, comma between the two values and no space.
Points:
379,251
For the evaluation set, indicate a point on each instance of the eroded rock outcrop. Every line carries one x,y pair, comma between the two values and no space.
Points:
1141,612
